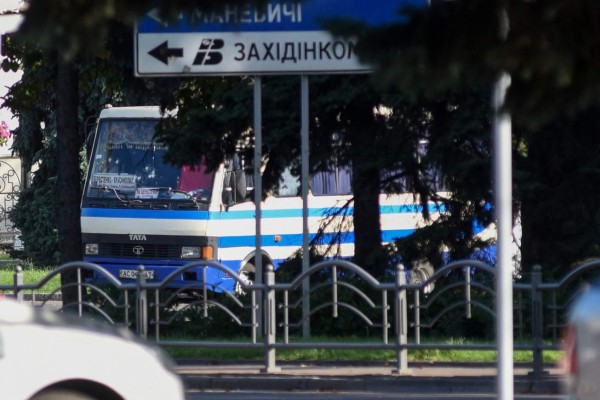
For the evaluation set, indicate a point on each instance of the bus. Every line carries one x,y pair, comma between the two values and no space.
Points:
138,209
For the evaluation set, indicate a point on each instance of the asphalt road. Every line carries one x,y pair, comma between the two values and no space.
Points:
431,381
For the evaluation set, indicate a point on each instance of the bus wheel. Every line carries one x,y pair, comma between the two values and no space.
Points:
246,278
420,273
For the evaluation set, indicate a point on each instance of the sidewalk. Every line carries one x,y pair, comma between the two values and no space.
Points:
334,376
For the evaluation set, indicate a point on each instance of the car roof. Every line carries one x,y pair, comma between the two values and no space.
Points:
16,313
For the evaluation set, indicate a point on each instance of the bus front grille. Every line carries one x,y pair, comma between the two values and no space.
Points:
161,251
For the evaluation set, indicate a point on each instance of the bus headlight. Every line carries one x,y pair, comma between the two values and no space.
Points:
205,253
91,249
190,252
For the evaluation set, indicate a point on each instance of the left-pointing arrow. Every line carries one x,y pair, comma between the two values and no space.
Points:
162,52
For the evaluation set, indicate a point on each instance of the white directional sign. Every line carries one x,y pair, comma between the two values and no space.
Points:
284,37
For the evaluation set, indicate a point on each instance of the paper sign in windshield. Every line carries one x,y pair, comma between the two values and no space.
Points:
146,193
114,181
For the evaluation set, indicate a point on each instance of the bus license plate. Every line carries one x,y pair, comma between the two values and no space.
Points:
133,273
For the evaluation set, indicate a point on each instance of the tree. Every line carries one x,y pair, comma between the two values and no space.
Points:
551,53
354,122
69,193
48,211
555,186
351,124
76,31
458,159
34,142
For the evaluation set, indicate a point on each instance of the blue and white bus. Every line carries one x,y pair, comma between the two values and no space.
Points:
139,210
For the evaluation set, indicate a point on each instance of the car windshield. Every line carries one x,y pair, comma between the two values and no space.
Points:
128,164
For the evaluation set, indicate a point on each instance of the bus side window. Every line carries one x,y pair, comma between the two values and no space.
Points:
336,182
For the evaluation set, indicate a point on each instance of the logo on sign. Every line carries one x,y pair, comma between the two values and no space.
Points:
207,54
138,250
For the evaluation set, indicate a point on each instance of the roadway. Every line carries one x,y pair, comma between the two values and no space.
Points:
364,381
276,395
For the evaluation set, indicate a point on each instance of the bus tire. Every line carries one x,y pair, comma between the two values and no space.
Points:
246,278
420,273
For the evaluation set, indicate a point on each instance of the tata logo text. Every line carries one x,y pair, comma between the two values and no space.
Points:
137,237
138,250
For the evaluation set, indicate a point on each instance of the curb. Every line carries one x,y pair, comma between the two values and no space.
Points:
401,384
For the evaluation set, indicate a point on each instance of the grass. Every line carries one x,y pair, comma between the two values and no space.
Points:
421,355
31,275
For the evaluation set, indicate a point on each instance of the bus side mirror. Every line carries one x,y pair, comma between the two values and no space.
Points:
90,123
234,188
89,143
240,185
227,195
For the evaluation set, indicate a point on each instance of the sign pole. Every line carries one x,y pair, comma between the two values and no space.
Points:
258,274
503,198
304,111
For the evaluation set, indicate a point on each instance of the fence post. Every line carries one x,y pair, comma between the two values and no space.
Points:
537,316
417,316
141,310
79,293
400,324
270,322
18,283
468,292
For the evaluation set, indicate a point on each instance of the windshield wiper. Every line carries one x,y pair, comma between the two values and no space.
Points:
117,192
171,190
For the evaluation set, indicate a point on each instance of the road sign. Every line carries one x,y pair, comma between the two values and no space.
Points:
284,37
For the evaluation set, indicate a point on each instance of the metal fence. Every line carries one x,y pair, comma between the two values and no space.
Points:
10,188
398,316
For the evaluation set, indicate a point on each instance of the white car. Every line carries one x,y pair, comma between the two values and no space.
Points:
46,356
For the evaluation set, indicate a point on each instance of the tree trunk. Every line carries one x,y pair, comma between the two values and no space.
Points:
68,185
368,252
367,229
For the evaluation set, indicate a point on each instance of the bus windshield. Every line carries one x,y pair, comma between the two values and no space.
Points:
127,163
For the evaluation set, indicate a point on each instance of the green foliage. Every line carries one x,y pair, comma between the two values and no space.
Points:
459,151
434,72
443,317
343,121
35,216
347,322
81,28
103,79
550,50
351,123
560,210
35,141
190,321
212,118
